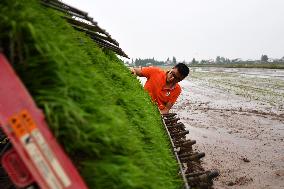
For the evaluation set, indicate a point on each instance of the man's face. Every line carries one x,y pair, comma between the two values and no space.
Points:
173,76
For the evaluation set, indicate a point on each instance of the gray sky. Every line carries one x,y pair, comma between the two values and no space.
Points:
186,29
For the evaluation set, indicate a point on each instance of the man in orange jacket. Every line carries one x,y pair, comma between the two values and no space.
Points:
163,86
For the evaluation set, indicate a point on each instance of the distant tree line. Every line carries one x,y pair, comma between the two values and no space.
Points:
147,62
223,60
219,60
151,62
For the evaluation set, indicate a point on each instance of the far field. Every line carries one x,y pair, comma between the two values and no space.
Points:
237,118
266,85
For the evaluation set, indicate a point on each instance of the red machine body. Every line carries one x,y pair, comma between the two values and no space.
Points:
35,157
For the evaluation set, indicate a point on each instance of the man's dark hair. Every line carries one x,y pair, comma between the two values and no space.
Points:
182,69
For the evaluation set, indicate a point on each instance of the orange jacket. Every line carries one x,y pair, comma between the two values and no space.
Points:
155,85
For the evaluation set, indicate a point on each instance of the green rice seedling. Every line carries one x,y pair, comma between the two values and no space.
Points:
97,110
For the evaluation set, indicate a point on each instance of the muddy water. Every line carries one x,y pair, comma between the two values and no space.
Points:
241,136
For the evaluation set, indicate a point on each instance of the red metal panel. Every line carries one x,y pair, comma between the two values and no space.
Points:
27,130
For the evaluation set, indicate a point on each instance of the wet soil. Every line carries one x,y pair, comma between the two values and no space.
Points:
241,137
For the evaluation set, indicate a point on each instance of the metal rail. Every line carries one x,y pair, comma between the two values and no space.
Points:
83,23
186,186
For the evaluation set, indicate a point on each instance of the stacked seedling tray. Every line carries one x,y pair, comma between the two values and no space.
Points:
189,160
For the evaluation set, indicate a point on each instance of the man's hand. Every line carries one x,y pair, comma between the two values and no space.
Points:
136,71
167,108
132,71
164,111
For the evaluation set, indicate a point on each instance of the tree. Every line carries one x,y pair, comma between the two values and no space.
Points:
264,58
218,59
174,60
147,62
222,60
193,61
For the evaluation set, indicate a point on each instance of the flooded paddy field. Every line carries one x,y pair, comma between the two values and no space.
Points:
237,118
